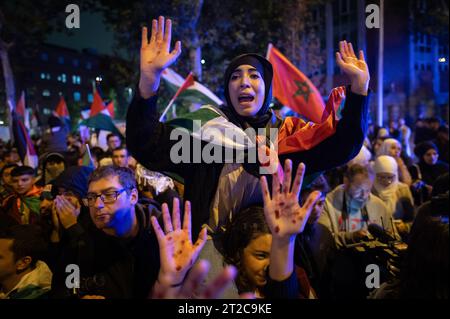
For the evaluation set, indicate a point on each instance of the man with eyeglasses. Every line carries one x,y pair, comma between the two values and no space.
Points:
118,254
350,208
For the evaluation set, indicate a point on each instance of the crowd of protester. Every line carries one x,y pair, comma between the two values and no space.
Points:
134,229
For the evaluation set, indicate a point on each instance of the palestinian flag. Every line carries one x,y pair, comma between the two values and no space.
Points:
294,134
194,92
101,121
62,112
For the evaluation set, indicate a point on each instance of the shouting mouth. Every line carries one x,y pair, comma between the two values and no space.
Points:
246,98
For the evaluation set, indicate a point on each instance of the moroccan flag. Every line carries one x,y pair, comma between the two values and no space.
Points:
23,142
62,112
97,104
20,106
101,121
193,91
293,89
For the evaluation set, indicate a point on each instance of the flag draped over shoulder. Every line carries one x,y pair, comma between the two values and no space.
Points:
298,135
193,92
294,134
23,142
293,89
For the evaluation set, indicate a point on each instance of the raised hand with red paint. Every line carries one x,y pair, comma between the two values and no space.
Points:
177,251
285,217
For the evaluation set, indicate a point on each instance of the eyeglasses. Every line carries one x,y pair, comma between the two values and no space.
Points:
107,197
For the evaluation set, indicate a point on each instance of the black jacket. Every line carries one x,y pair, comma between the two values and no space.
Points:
148,140
109,266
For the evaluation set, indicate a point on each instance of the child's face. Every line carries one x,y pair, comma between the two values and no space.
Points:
22,184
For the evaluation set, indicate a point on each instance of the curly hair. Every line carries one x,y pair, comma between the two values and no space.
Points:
125,175
246,225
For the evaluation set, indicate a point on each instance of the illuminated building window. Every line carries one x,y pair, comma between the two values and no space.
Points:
76,96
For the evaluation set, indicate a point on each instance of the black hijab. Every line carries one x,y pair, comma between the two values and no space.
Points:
263,116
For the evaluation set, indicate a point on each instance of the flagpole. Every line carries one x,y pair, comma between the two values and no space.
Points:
269,47
166,109
380,66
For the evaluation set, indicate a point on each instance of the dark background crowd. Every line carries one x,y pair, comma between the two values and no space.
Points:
398,181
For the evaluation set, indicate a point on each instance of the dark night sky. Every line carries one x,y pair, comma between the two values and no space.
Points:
91,34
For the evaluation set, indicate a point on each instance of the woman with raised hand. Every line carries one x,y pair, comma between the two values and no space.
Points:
216,189
220,189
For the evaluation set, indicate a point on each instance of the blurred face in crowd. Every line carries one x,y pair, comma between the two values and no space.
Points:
377,145
359,187
431,157
114,142
6,177
23,184
247,90
114,213
70,196
120,158
12,157
7,263
45,206
395,150
256,258
385,179
54,168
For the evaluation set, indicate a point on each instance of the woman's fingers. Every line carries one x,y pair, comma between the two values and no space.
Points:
201,241
287,176
160,34
168,35
340,62
154,31
298,181
166,218
187,219
265,190
144,40
220,283
361,55
176,214
194,278
158,231
311,201
352,52
177,50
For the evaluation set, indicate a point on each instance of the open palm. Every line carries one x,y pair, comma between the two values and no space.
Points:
283,213
156,54
177,252
355,67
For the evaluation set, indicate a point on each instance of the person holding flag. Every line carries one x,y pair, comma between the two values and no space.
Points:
219,190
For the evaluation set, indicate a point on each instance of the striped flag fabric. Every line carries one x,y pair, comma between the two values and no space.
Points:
23,143
62,112
20,106
194,92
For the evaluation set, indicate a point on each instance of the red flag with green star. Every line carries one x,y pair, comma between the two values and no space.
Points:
293,89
